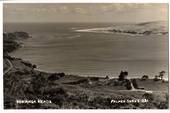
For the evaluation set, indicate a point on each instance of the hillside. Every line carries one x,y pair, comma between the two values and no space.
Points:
24,82
12,41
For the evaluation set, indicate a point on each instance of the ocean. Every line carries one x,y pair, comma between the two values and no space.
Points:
57,47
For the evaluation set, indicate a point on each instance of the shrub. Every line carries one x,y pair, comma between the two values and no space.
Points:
57,95
128,85
145,77
148,96
53,77
61,74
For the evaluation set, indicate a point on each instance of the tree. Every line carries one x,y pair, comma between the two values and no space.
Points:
156,78
107,77
161,74
145,77
123,75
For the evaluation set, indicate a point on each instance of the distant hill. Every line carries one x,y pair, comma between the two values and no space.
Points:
145,28
11,40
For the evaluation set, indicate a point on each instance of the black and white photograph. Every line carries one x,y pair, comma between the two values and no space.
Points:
85,56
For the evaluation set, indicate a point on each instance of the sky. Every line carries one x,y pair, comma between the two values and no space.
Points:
81,12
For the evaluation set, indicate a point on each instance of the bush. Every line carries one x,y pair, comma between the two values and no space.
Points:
163,105
57,95
61,74
135,83
145,77
53,77
38,81
148,96
128,85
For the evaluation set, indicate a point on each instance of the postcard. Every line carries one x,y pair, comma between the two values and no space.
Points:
85,55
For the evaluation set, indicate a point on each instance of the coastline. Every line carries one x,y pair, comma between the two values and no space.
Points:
73,91
132,29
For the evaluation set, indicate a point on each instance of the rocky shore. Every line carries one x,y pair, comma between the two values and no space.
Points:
25,87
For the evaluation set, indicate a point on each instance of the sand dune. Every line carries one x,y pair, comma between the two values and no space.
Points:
147,28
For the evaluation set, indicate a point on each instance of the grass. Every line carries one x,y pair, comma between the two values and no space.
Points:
77,92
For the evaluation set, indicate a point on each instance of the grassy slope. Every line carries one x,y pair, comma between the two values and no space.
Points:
23,82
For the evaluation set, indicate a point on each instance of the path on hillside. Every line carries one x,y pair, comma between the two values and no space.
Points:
10,67
141,90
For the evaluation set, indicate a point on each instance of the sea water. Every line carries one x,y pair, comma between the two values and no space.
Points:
57,47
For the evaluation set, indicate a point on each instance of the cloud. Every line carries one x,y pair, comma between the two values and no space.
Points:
104,11
81,10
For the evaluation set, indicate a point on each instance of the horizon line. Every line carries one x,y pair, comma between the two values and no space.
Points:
88,22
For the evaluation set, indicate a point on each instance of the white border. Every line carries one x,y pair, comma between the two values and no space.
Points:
85,1
1,55
64,1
